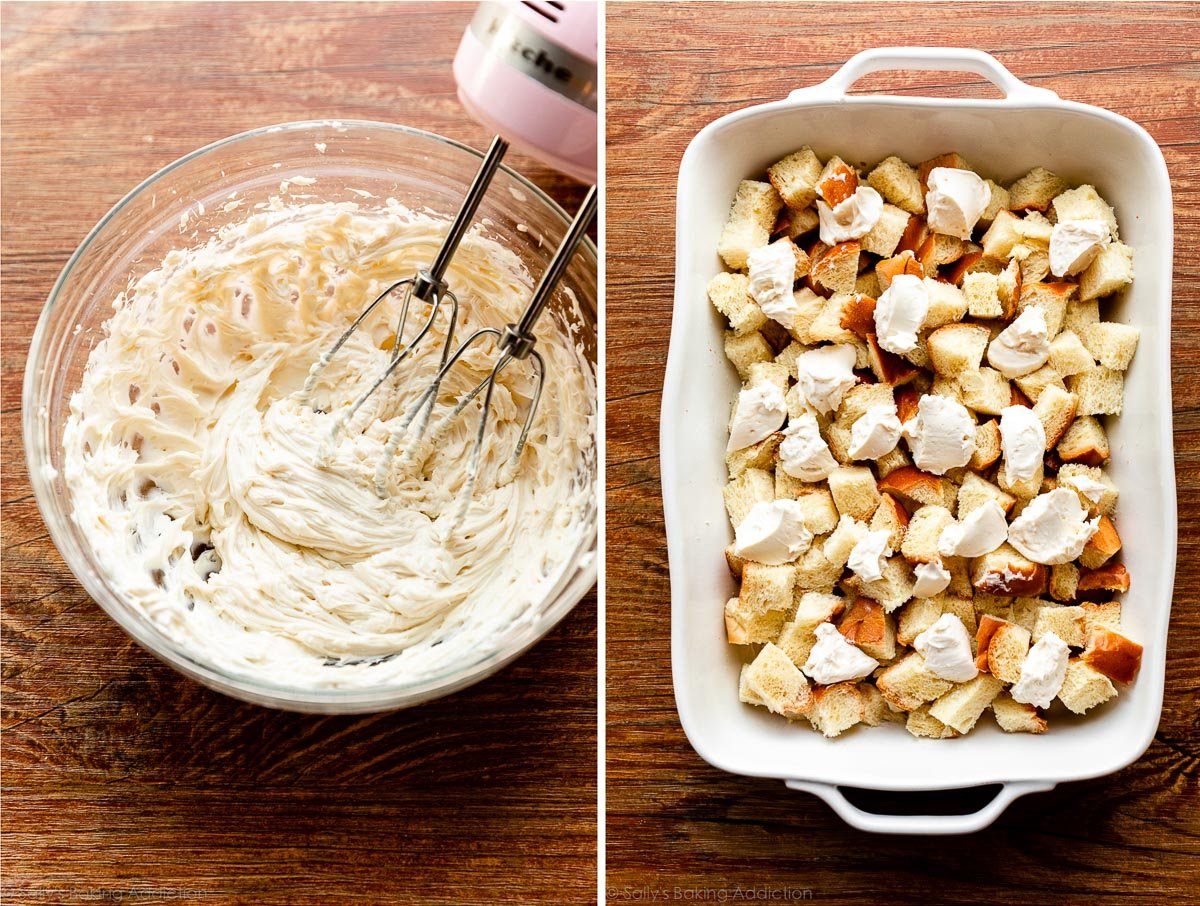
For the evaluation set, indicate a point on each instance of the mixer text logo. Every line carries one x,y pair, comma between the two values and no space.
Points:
536,56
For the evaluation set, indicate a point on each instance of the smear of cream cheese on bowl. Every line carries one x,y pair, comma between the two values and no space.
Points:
196,473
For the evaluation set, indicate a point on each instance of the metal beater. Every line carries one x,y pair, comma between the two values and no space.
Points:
516,343
428,286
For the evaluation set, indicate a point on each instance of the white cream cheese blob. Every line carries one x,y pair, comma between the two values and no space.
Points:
192,460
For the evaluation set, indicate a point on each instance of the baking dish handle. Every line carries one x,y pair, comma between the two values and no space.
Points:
944,59
919,824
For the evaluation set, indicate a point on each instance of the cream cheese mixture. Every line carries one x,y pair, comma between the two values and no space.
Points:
206,483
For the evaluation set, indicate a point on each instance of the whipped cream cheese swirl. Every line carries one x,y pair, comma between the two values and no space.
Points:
208,487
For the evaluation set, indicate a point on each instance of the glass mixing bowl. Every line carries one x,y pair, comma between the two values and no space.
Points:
423,171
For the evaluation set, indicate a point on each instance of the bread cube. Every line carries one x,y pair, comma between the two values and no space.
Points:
947,304
1017,717
908,683
797,637
854,491
1068,355
836,268
924,530
795,177
885,235
767,587
892,590
1001,236
1006,571
999,201
957,348
1064,579
867,626
1101,615
1055,409
983,295
1035,191
837,182
916,488
730,295
984,390
1085,203
961,707
1085,442
891,517
1066,622
987,446
924,725
1003,645
1084,687
897,182
746,349
1112,270
1101,391
751,487
777,683
1112,654
1102,546
1035,382
751,219
836,708
1112,344
746,625
975,491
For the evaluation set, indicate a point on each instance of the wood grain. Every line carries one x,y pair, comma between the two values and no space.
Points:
673,821
121,777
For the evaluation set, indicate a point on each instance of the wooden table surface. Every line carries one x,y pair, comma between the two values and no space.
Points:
673,821
122,778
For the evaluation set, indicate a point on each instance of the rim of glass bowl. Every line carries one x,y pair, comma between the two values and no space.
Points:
577,578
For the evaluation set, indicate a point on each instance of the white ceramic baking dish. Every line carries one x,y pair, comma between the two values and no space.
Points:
1004,138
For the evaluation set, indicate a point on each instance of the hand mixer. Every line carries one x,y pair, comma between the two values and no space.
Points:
515,343
428,285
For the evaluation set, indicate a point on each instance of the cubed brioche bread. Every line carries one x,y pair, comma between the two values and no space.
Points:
1086,442
1035,191
854,491
908,683
924,530
867,626
1112,270
751,219
1055,409
1101,391
897,182
753,486
962,706
975,491
1017,717
767,587
746,625
1084,687
730,295
983,295
885,235
1084,203
1112,654
1102,546
795,178
837,182
1068,355
777,683
836,708
957,348
1002,646
891,517
836,268
1066,622
1001,237
1006,571
746,349
1064,579
922,724
798,635
1112,344
987,446
916,488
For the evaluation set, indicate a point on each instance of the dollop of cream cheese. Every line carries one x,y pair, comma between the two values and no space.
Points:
932,579
803,453
980,532
773,532
875,433
772,272
1053,528
955,200
900,312
946,647
825,374
941,436
1075,244
194,458
869,555
1023,346
1022,441
1042,672
834,659
852,218
759,412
